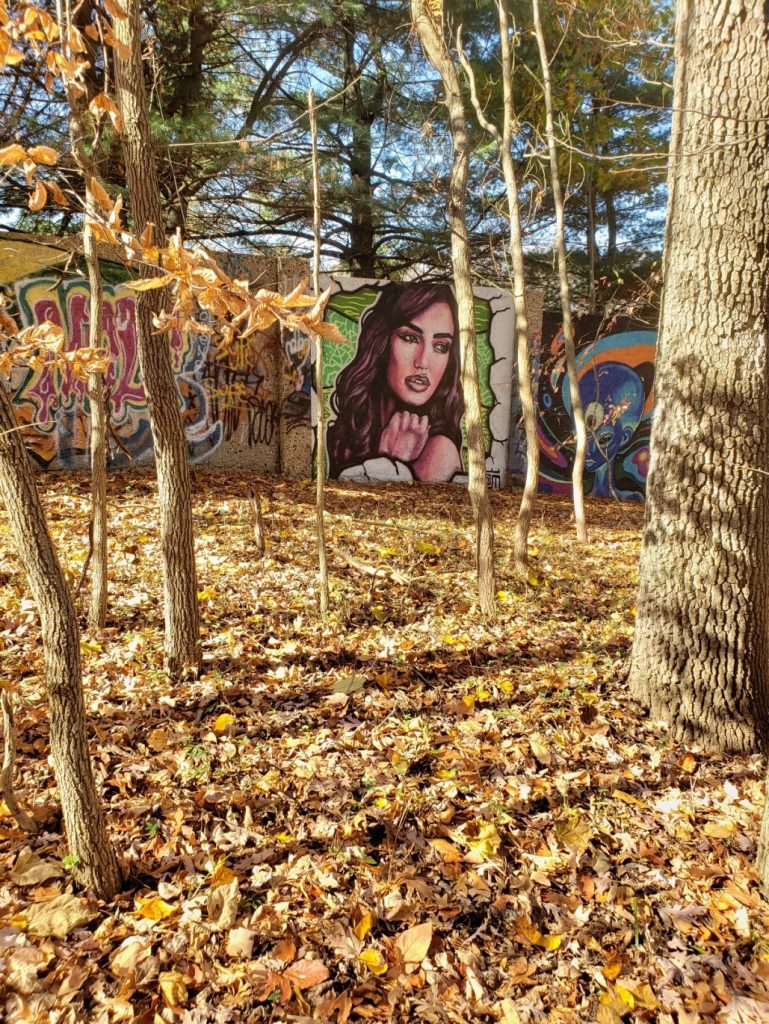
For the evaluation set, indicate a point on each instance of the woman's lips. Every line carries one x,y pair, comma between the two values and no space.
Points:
418,382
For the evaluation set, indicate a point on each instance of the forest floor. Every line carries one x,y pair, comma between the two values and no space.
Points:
403,814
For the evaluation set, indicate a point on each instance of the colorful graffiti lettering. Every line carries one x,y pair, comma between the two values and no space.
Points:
616,378
392,392
217,400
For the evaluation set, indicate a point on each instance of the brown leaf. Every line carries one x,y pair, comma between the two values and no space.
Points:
129,954
306,973
113,8
30,869
13,154
60,916
285,950
43,155
99,194
415,942
38,198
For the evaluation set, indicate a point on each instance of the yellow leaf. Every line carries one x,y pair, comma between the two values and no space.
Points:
644,995
532,579
172,985
363,927
535,936
38,198
284,837
223,722
43,155
625,995
221,875
153,908
688,763
487,842
715,831
13,154
374,960
148,283
619,794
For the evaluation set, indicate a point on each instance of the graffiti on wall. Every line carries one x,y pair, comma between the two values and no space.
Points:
392,391
616,385
223,396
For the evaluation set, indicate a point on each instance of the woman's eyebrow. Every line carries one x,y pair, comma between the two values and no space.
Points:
413,327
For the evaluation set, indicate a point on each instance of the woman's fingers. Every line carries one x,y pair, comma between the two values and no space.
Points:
405,436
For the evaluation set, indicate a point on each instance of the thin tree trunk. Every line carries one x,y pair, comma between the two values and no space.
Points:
86,164
320,448
592,248
700,658
93,859
21,817
182,621
523,356
611,229
431,36
578,469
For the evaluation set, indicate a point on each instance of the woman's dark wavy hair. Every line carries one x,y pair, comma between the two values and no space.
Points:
361,385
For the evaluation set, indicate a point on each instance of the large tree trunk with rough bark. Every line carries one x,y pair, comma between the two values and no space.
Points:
94,863
700,658
182,622
431,37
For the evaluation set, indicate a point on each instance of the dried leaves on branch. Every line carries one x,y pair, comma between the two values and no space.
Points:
403,814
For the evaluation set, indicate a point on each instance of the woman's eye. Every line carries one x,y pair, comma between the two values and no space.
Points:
441,347
410,338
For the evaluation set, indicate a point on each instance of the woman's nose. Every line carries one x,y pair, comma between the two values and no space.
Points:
419,358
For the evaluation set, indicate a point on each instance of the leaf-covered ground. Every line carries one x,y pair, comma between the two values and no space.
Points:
403,814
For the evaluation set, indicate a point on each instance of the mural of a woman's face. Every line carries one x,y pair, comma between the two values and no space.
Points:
419,354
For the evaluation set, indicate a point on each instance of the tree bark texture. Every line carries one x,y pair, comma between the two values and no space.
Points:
433,43
580,431
700,658
86,163
94,863
364,113
182,621
523,354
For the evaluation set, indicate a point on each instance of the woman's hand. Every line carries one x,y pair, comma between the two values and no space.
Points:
405,436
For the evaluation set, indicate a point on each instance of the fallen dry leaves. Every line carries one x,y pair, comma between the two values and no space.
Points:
402,814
